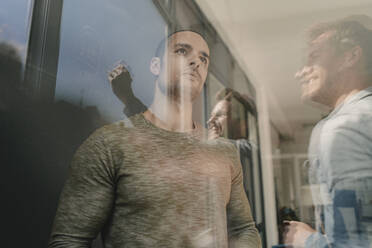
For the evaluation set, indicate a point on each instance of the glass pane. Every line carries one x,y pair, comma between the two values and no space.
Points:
162,118
15,23
14,31
18,174
96,40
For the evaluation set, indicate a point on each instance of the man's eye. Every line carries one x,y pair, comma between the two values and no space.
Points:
181,51
221,115
204,60
313,56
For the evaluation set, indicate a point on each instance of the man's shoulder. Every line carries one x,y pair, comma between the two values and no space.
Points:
112,130
223,143
227,149
355,115
361,106
347,130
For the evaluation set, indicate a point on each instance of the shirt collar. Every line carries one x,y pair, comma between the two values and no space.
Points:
353,98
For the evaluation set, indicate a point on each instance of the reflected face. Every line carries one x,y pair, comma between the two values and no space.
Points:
185,66
218,121
319,77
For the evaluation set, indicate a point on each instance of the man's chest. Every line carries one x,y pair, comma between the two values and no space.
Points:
164,170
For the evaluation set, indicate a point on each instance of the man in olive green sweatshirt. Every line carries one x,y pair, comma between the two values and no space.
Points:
154,181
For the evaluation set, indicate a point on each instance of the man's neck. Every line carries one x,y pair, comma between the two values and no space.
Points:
170,114
344,96
350,87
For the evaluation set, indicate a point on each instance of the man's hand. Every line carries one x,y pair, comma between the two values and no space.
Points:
121,83
296,233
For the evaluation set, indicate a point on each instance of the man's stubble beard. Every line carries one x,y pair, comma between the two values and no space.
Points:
179,91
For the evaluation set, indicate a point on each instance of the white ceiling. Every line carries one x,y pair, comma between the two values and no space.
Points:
267,38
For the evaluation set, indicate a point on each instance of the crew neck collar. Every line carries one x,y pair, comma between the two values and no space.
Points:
196,132
353,98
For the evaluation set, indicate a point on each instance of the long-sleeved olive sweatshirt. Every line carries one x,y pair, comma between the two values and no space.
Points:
142,186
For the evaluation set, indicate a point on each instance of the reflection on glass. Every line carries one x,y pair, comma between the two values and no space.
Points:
232,117
137,102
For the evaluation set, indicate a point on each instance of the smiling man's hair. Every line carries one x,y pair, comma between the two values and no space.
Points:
228,94
347,33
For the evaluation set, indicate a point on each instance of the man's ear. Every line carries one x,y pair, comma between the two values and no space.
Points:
155,66
352,57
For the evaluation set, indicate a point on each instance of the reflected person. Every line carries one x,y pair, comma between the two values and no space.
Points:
152,181
221,122
225,122
338,74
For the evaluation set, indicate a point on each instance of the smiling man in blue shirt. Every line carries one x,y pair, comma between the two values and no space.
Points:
338,74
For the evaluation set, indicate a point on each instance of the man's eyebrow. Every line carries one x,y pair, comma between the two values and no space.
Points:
205,54
184,45
314,50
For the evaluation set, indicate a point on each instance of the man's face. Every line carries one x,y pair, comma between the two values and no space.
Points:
218,121
184,67
319,77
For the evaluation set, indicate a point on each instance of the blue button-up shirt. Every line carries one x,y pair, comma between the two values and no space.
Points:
340,154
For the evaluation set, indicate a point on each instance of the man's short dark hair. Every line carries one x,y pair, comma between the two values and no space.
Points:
348,33
163,43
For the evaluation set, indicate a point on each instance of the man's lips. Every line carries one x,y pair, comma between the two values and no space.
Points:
308,80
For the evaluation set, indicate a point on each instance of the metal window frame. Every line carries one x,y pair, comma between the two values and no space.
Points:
43,50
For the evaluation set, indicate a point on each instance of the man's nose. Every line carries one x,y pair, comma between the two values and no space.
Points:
211,119
194,62
305,71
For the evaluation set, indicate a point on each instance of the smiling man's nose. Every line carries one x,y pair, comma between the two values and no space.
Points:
211,120
305,70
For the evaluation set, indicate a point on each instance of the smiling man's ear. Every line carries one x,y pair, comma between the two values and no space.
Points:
352,57
155,65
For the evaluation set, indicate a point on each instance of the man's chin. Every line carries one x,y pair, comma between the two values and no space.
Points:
305,97
212,134
307,94
184,91
315,102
